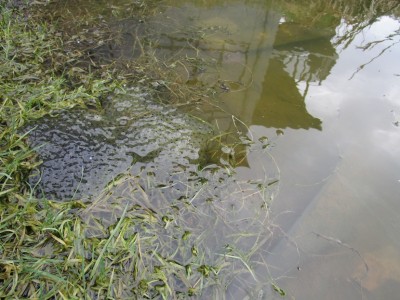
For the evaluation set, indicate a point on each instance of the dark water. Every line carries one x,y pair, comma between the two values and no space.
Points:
320,84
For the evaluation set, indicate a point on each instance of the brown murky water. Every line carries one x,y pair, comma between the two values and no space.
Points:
322,86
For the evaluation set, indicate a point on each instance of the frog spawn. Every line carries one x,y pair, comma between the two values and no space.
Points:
83,151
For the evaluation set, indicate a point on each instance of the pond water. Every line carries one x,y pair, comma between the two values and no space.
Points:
318,85
325,91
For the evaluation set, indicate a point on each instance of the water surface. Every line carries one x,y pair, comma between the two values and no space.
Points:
318,86
325,92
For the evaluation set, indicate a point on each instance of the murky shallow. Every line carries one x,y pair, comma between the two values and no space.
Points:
323,88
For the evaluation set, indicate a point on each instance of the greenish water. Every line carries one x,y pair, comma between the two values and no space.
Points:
318,83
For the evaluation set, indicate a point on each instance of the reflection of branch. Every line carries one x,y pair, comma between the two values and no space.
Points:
371,45
349,36
356,29
373,59
339,242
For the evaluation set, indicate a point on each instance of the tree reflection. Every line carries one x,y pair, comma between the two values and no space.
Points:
300,55
351,18
264,54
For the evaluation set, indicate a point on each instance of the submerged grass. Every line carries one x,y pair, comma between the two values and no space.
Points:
68,250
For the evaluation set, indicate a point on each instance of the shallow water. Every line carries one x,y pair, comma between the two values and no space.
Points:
149,157
321,90
327,97
326,94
